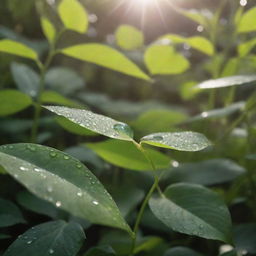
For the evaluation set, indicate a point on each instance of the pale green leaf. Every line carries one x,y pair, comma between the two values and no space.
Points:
105,56
164,60
16,48
247,22
201,44
245,48
127,155
193,210
182,141
62,180
50,238
13,101
129,37
48,29
95,122
73,15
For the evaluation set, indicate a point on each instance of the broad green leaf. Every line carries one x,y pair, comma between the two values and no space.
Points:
164,60
181,251
13,101
164,120
193,210
51,238
26,79
246,47
127,155
245,237
129,37
48,29
16,48
95,122
10,214
37,205
209,172
105,56
64,80
103,250
61,179
227,81
56,98
201,44
218,113
73,127
73,15
182,141
247,21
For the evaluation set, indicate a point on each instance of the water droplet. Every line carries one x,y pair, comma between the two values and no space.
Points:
22,168
29,242
243,2
79,166
51,251
123,129
31,148
58,204
204,114
79,193
158,138
49,189
10,147
37,170
95,202
175,164
53,154
66,157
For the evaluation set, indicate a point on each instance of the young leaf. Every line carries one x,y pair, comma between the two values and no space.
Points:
51,238
13,101
129,37
164,60
26,79
247,21
227,81
182,141
127,155
201,44
105,56
48,29
245,48
181,251
61,179
95,122
10,214
16,48
193,210
73,15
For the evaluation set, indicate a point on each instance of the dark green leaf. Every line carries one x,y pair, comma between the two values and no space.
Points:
181,251
193,210
51,238
103,250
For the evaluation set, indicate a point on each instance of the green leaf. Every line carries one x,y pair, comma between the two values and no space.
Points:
56,98
218,113
13,101
95,122
51,238
64,80
163,120
26,79
61,179
16,48
73,127
37,205
127,155
146,244
201,44
246,47
10,214
181,251
227,81
48,29
164,60
105,56
209,172
193,210
103,250
129,37
230,253
182,141
245,237
247,21
198,16
73,15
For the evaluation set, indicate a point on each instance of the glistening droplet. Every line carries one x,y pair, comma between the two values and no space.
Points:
123,129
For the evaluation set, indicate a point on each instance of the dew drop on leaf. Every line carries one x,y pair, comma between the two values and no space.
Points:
58,204
123,129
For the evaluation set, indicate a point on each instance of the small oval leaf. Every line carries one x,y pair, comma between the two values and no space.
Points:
61,179
16,48
95,122
182,141
105,56
48,29
51,238
193,210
